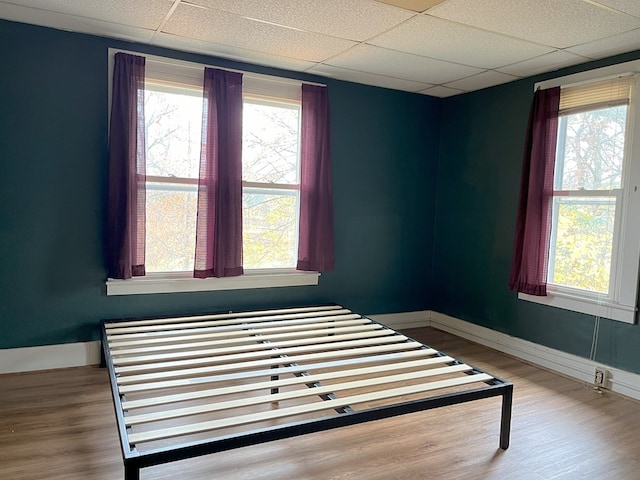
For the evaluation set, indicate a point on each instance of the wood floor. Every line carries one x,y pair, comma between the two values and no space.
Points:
60,425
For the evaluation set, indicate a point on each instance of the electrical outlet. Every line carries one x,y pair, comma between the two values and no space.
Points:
600,378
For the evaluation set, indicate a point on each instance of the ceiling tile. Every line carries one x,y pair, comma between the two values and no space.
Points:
482,80
354,19
632,7
227,29
148,14
558,23
367,58
233,53
367,78
544,63
468,44
624,42
71,23
445,40
440,91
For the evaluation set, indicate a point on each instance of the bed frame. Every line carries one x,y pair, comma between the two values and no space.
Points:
189,386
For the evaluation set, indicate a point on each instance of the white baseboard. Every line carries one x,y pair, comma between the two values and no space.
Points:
88,353
27,359
13,360
582,369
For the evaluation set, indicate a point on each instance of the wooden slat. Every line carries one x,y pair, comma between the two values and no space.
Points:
257,347
116,345
112,330
277,397
285,382
171,432
224,377
216,369
238,326
251,337
222,316
248,356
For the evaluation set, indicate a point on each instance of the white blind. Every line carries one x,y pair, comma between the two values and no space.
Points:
599,94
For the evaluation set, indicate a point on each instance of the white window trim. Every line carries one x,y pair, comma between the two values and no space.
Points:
621,306
174,71
184,282
566,301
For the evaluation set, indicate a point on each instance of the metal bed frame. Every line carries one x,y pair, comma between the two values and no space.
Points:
189,386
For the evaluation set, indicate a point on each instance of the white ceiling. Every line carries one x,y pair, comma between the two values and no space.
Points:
451,47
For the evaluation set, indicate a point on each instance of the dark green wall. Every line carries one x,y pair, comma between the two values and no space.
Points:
477,194
398,247
53,151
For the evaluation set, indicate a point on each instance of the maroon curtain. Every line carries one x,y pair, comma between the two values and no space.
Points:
315,244
533,226
219,222
125,233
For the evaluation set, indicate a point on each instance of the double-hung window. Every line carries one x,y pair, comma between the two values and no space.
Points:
270,168
173,118
270,182
271,151
595,235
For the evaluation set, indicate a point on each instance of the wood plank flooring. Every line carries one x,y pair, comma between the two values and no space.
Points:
60,424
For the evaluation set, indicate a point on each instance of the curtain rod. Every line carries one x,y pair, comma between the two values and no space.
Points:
586,76
199,66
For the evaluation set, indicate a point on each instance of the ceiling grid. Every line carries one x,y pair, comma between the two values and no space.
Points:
432,47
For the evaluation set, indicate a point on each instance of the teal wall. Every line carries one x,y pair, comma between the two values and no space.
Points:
53,152
477,195
399,246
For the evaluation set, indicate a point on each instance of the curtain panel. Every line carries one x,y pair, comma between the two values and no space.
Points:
315,242
529,266
219,222
126,196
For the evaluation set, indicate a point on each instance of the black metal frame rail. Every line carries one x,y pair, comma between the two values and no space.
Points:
134,460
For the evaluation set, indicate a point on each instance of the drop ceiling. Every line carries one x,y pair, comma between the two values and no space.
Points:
432,47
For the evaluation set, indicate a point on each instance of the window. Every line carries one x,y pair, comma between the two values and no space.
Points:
594,247
271,181
270,167
173,118
589,186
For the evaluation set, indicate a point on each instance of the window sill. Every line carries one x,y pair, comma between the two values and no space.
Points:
183,282
614,311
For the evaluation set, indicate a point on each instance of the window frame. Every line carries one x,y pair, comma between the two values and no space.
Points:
613,196
183,74
182,183
272,187
621,301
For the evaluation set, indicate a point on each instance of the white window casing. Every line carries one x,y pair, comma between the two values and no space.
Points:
620,303
175,75
183,282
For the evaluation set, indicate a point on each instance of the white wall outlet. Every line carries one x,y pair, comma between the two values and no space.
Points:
600,378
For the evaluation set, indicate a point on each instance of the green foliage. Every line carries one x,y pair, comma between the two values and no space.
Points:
171,231
584,245
269,231
590,159
270,156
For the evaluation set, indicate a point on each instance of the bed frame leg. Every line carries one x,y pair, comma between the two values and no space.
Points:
131,472
505,422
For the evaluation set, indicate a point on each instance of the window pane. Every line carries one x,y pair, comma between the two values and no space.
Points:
173,124
591,150
269,228
171,227
581,257
270,143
